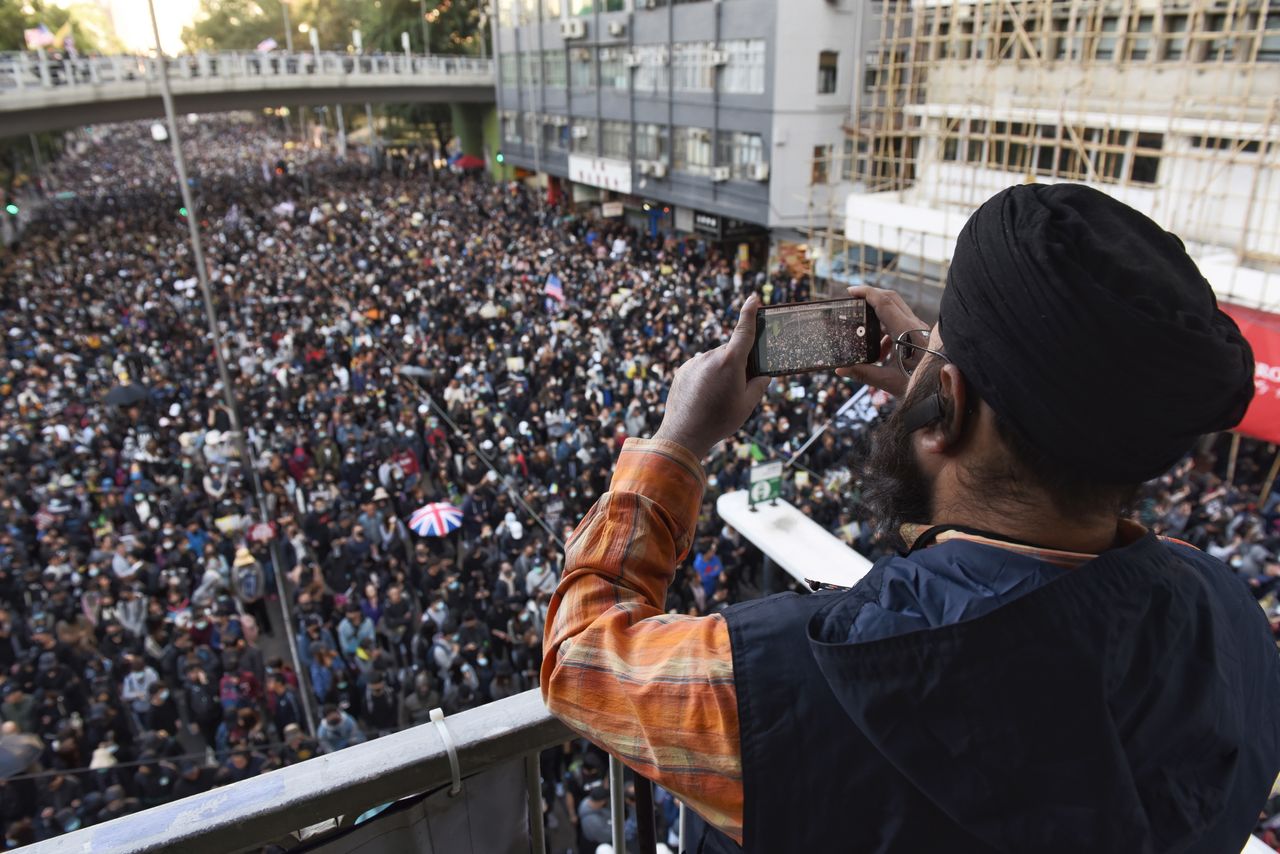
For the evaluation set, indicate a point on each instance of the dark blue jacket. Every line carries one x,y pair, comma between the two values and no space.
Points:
966,698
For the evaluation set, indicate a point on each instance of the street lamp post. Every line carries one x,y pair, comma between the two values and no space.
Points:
288,28
228,390
426,29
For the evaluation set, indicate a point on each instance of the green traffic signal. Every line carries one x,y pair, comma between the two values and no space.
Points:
11,209
182,212
501,158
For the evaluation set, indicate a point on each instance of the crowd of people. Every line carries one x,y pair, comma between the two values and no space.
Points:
391,342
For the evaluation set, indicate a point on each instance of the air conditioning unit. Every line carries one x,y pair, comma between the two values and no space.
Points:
644,167
647,4
581,132
573,29
560,121
659,169
634,60
759,172
718,57
581,54
720,174
617,29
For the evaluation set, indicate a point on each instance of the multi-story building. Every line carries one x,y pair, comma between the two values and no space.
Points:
1172,106
723,117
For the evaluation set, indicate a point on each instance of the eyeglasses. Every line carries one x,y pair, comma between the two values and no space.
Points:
908,354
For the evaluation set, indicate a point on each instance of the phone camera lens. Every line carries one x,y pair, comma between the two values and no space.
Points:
862,332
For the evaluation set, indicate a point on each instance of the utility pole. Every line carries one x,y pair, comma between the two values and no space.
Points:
288,28
228,390
358,39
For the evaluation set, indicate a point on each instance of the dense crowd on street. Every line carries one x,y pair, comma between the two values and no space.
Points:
390,342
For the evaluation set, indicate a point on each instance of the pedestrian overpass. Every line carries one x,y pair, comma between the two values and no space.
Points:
39,93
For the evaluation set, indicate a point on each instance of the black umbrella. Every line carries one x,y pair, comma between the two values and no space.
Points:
126,395
18,752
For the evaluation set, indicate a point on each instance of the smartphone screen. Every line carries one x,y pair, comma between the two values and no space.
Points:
802,337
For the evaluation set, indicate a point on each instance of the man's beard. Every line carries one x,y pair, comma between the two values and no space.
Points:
895,490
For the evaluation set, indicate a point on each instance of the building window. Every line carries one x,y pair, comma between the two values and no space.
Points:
584,136
1175,37
586,7
744,73
507,70
528,12
827,72
530,129
651,142
1146,158
651,73
615,140
510,129
550,9
846,162
531,69
691,67
821,164
553,68
506,8
555,133
1102,155
582,69
1140,38
740,151
1269,39
1105,48
613,68
693,151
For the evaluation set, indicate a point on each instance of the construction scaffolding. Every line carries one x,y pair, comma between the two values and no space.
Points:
1172,106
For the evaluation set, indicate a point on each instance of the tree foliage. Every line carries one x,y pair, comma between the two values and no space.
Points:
88,28
454,25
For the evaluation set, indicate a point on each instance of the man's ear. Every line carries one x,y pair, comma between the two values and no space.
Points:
946,434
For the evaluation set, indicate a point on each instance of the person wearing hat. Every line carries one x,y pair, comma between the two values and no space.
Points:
1033,671
249,582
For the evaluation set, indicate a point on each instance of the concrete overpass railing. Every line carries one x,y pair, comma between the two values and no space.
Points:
40,92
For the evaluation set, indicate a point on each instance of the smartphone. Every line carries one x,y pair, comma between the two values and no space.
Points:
801,337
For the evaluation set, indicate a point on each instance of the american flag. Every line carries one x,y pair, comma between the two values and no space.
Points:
554,288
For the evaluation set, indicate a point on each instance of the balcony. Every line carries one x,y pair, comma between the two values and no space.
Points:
318,801
367,798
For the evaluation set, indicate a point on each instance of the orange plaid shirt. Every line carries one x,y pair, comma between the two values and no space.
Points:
656,689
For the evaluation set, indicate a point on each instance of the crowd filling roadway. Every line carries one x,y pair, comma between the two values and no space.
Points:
392,342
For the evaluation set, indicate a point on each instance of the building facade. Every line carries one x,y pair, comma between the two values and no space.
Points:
722,117
1172,106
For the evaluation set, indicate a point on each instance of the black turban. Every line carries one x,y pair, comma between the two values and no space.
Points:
1089,330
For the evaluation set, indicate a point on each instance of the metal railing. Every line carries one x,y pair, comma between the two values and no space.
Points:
261,810
38,70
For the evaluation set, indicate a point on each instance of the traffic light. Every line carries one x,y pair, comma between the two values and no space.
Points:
182,212
11,209
501,158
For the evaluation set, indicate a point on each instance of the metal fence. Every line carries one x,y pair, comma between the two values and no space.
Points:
38,70
259,811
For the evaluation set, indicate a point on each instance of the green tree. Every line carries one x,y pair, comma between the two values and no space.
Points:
235,25
86,27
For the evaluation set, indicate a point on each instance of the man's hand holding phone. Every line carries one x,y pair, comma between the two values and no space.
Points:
711,397
896,317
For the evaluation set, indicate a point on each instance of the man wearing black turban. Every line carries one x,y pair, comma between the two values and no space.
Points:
1035,672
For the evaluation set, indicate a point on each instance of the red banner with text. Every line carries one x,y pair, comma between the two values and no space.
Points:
1262,329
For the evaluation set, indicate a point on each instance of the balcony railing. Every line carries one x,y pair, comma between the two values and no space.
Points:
256,812
21,71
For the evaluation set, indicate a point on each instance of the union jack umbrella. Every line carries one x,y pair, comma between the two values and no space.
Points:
436,520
